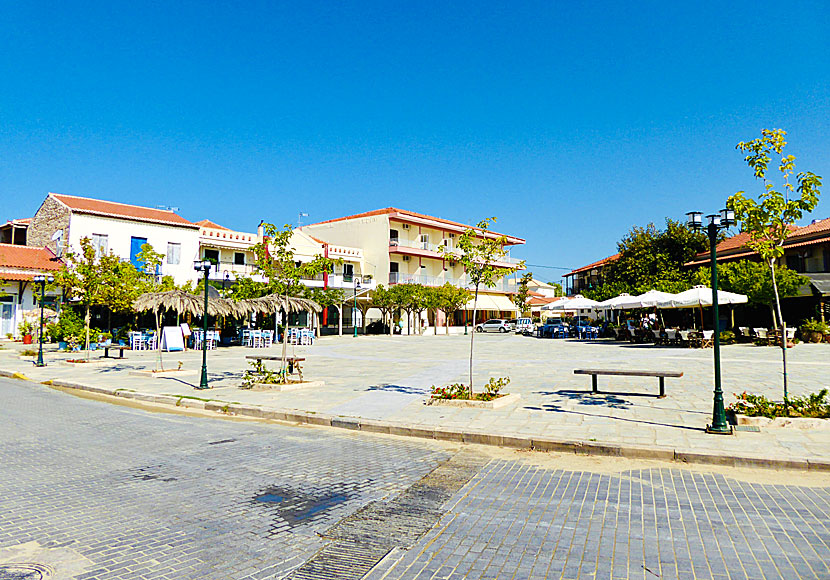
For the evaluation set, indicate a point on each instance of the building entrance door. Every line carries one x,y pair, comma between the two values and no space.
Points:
7,315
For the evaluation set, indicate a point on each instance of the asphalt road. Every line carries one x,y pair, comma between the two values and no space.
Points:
94,490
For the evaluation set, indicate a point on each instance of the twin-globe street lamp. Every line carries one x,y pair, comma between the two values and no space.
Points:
717,222
42,280
204,266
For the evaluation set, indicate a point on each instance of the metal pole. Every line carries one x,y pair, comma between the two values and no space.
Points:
354,311
40,362
203,383
719,425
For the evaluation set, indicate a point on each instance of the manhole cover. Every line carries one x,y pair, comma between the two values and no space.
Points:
24,571
749,428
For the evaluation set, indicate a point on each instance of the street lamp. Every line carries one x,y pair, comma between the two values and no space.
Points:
204,266
42,280
226,276
354,315
717,222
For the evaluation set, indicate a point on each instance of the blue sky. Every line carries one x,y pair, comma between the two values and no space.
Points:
570,121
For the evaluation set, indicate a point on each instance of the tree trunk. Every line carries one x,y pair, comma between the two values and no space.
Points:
783,330
472,339
158,339
86,323
285,346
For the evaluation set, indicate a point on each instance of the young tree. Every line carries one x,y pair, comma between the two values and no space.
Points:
384,300
275,260
520,297
325,297
431,300
86,277
407,297
479,250
452,298
769,221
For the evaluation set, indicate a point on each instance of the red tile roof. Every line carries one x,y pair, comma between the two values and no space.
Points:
210,224
27,258
602,262
736,246
121,210
403,214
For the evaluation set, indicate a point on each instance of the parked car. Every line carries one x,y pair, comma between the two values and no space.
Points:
377,327
495,325
525,326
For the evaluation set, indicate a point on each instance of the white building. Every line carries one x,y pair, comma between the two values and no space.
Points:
18,266
63,220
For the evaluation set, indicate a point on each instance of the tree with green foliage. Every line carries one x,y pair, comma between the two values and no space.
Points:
480,251
432,300
754,279
384,300
651,259
409,298
769,221
87,277
275,260
326,297
452,298
520,297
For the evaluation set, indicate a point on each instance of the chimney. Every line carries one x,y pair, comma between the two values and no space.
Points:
260,231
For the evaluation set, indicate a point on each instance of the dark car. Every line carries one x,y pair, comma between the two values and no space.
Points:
377,327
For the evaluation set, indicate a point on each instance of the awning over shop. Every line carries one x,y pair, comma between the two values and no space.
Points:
497,302
820,283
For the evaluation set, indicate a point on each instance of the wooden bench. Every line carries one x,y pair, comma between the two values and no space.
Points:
119,348
293,362
627,373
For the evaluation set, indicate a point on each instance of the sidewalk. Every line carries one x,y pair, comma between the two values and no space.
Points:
380,383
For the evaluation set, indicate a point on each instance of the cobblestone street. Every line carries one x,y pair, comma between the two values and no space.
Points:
94,490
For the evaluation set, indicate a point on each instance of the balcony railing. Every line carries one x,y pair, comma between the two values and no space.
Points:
503,285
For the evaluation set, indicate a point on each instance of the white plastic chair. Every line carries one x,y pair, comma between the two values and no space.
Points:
760,332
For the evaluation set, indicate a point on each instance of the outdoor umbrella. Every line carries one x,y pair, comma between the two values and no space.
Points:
182,302
47,313
615,302
577,302
646,300
700,296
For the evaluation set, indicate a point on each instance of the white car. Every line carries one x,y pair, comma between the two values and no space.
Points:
525,326
495,325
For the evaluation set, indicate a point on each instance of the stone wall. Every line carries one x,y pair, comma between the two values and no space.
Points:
51,217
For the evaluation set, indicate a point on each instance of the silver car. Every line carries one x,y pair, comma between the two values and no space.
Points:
495,325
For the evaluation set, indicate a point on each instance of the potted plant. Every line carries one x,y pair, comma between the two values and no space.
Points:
26,329
814,330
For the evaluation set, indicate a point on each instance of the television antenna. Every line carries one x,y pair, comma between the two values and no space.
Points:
300,217
167,207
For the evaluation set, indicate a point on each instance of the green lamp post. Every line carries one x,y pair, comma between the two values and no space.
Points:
42,280
717,222
204,266
354,312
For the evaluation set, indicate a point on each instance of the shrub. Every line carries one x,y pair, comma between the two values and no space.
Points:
258,373
814,405
492,390
727,337
70,327
28,352
812,325
26,328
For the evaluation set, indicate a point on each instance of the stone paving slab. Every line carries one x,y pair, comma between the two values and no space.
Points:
387,379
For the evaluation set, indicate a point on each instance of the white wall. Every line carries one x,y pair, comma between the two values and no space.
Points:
120,232
9,296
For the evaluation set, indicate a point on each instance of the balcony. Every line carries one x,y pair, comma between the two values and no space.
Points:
345,281
503,285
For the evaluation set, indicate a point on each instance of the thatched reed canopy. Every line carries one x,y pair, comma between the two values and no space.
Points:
273,303
183,302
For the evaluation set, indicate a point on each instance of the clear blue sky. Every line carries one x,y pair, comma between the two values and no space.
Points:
570,121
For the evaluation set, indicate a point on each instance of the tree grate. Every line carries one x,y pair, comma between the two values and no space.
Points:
362,539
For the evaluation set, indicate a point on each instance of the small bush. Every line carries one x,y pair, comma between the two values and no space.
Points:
727,337
28,352
492,390
258,373
814,405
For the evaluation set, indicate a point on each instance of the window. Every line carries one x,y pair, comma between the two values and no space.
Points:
239,258
212,256
393,237
101,244
174,253
348,272
135,249
424,241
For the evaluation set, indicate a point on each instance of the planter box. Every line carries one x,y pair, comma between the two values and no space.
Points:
91,363
784,422
286,387
161,374
502,401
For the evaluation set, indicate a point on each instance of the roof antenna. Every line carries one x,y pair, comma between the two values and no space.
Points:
167,208
300,217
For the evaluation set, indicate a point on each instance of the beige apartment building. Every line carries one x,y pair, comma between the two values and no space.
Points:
402,247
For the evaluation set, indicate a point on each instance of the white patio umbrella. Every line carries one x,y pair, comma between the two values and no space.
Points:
578,302
648,299
613,303
700,296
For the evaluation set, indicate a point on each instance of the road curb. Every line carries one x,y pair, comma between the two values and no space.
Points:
510,441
